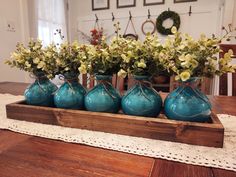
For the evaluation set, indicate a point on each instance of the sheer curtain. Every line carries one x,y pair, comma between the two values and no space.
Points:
47,16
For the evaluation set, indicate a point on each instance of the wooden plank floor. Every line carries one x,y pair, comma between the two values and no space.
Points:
28,156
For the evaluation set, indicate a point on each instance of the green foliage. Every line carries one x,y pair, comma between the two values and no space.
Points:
185,57
34,58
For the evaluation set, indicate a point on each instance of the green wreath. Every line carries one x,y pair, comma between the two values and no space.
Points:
162,17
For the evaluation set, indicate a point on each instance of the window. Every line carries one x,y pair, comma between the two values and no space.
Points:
51,16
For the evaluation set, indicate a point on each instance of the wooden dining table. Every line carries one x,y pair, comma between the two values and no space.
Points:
29,156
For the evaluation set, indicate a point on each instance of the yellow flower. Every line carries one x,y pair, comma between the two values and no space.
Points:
227,56
142,64
125,58
27,64
188,57
122,73
185,75
36,60
41,65
105,53
48,54
75,44
130,54
174,30
181,47
15,56
83,69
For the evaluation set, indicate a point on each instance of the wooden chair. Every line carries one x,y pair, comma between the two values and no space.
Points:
225,79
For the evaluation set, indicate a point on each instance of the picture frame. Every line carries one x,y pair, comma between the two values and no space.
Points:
153,2
125,3
181,1
100,4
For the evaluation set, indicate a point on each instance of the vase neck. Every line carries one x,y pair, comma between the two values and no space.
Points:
104,78
192,82
70,77
142,78
41,79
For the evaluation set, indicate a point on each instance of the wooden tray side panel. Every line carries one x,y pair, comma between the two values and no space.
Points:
162,129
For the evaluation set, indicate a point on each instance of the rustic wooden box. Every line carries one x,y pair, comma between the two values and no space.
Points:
206,134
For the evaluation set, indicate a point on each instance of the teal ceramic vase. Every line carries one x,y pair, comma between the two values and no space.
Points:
71,94
103,97
40,93
188,103
142,99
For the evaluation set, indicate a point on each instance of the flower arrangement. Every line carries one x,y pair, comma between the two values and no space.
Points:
70,60
185,57
102,59
180,55
139,58
34,58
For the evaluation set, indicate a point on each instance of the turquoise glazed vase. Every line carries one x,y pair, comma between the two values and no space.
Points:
40,93
142,99
71,94
187,103
103,97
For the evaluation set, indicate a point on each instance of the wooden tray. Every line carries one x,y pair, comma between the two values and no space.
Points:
205,134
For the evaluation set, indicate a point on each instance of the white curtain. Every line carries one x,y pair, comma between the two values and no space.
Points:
47,16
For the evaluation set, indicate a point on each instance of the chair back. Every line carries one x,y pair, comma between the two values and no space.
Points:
227,84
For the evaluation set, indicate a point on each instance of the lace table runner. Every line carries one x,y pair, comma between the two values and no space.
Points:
224,158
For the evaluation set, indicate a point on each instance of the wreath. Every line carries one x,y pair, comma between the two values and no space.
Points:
164,16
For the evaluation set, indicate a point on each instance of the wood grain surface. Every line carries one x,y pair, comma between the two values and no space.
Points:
206,134
28,156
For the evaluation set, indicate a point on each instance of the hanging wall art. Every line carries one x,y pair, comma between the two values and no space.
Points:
126,3
179,1
100,4
153,2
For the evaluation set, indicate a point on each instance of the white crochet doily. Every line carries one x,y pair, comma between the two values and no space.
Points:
224,158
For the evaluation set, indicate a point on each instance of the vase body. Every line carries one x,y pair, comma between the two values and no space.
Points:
187,103
41,92
142,99
103,97
71,94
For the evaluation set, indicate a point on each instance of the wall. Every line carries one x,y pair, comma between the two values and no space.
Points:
205,17
208,17
229,17
15,12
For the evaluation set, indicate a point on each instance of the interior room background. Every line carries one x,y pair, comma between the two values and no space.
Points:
40,18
